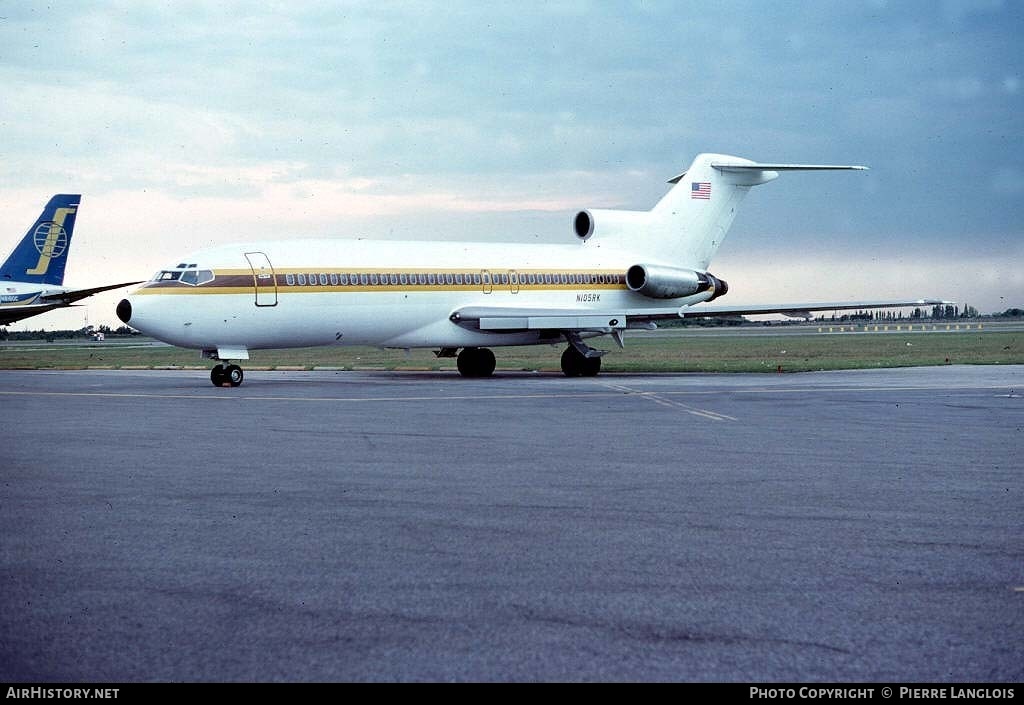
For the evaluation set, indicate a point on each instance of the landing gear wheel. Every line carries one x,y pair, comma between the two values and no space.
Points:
218,375
476,362
221,375
486,362
574,364
235,375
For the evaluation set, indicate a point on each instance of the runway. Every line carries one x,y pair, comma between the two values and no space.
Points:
837,526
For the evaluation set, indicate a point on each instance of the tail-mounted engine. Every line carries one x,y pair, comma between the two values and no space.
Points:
607,222
658,282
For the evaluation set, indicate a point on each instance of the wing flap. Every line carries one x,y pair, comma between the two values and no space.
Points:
497,319
612,321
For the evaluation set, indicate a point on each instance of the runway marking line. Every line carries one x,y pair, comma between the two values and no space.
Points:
658,399
614,390
244,397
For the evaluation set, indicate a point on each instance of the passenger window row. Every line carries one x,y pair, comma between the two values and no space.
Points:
483,278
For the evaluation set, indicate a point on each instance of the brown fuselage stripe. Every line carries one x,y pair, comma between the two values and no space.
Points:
239,281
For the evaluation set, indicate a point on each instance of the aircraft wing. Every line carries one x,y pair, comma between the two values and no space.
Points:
501,319
699,311
48,302
10,314
64,298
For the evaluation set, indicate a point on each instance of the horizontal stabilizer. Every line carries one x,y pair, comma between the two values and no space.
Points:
739,168
727,166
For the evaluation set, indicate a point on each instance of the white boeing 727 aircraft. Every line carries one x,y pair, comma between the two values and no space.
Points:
625,269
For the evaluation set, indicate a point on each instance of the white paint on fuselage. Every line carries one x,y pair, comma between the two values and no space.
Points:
401,319
24,291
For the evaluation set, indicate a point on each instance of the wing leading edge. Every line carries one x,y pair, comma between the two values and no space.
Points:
499,319
65,298
699,311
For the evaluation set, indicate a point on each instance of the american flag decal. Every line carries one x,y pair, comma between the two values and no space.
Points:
700,189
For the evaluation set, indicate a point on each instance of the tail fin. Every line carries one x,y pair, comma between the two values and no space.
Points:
703,203
41,255
688,225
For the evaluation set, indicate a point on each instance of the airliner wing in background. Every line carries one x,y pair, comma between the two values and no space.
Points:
50,301
66,298
10,314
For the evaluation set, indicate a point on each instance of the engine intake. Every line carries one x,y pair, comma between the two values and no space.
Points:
658,282
583,225
614,223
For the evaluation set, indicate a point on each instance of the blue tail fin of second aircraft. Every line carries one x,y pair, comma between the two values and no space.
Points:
42,254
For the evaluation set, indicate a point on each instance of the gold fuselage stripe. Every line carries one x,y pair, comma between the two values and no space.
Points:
242,281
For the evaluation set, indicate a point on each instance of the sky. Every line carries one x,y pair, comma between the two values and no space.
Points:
189,124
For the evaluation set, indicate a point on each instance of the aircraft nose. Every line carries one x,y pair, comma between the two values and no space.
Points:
124,310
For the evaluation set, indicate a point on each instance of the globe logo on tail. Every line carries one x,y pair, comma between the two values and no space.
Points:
51,240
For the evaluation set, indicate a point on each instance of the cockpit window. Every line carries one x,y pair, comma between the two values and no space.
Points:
195,277
191,276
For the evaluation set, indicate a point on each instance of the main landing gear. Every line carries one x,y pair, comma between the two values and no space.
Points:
476,362
579,359
226,375
576,364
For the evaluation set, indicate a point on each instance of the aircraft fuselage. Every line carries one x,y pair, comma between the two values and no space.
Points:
388,294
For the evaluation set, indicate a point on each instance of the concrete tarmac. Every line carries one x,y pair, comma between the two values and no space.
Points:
840,526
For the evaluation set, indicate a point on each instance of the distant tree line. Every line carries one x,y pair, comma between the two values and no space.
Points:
940,312
51,335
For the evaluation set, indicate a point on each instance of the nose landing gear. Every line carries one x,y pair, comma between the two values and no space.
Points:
225,375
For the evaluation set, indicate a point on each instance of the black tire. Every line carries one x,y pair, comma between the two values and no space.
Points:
467,362
485,362
591,366
572,363
234,375
218,376
476,362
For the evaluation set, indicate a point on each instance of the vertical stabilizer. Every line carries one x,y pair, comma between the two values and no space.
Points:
694,217
42,254
688,225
